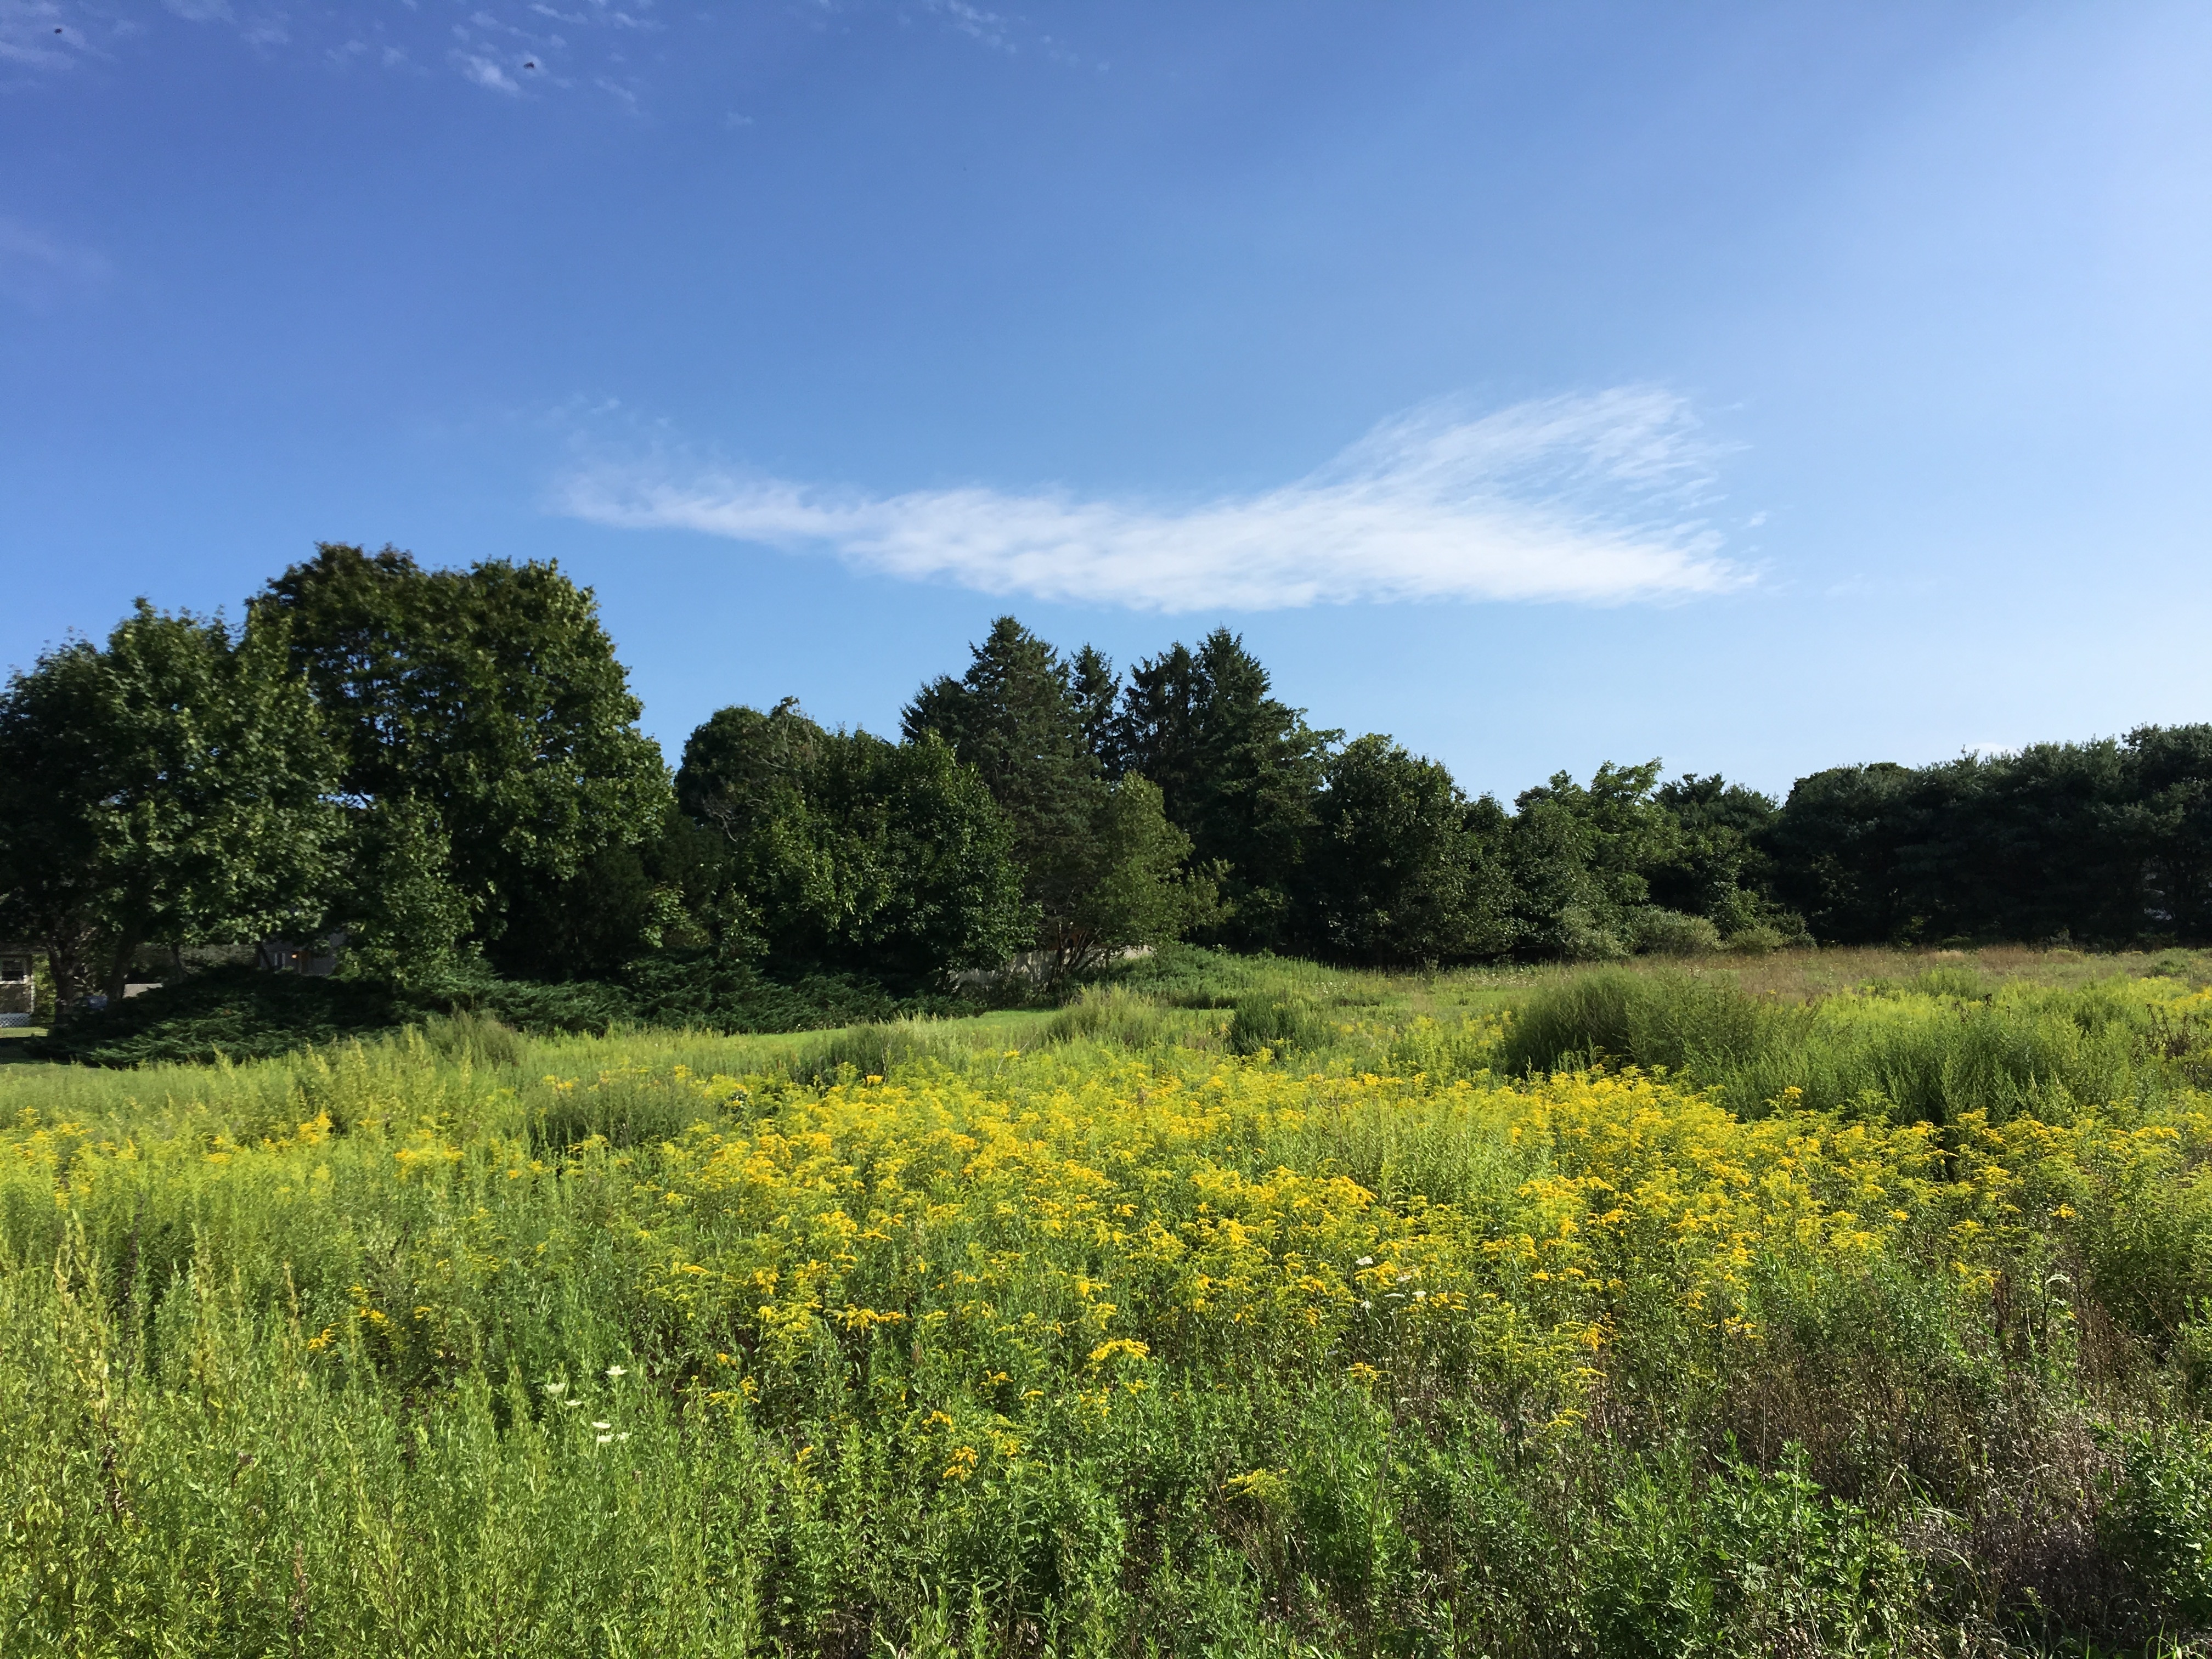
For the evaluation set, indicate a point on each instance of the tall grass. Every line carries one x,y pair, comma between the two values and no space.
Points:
1930,1048
1112,1330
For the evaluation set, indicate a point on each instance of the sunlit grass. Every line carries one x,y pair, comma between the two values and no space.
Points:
1257,1308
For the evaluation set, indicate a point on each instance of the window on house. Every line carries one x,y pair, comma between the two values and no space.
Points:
15,969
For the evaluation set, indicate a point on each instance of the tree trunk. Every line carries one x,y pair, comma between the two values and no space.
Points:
66,968
118,968
68,940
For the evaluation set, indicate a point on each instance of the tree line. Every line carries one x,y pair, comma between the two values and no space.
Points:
445,766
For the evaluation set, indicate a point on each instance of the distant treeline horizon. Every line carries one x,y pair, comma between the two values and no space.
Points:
446,765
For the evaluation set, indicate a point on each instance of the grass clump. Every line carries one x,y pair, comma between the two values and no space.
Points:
1111,1015
1278,1023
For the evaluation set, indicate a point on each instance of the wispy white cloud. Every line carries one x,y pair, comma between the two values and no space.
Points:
266,30
1590,499
484,71
502,46
37,267
35,35
988,26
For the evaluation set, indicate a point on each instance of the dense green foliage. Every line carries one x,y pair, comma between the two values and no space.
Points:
841,852
1101,865
237,1013
1926,1048
229,1012
438,776
1017,717
488,740
2104,841
1398,867
1078,1333
1239,772
166,790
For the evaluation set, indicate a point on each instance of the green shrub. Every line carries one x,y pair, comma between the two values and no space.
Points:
1745,1561
1580,936
478,1038
231,1012
1655,932
1758,939
873,1050
242,1013
588,1007
702,995
2160,1522
1928,1049
1672,1019
1956,981
1192,976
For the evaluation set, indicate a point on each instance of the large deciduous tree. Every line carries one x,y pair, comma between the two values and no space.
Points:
840,850
488,740
1717,865
1131,888
172,788
1400,866
1579,856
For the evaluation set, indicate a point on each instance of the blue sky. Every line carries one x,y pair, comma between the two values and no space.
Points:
1763,387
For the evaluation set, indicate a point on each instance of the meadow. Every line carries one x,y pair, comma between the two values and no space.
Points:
1847,1302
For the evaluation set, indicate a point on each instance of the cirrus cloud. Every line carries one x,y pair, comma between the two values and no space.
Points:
1585,499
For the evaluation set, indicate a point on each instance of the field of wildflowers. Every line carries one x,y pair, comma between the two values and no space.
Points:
1088,1333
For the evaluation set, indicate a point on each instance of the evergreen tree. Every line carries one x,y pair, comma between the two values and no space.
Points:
1016,716
1097,689
2083,840
1847,851
2036,845
1239,772
1101,864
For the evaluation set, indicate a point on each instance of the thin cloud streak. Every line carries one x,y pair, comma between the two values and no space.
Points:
33,33
1587,500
